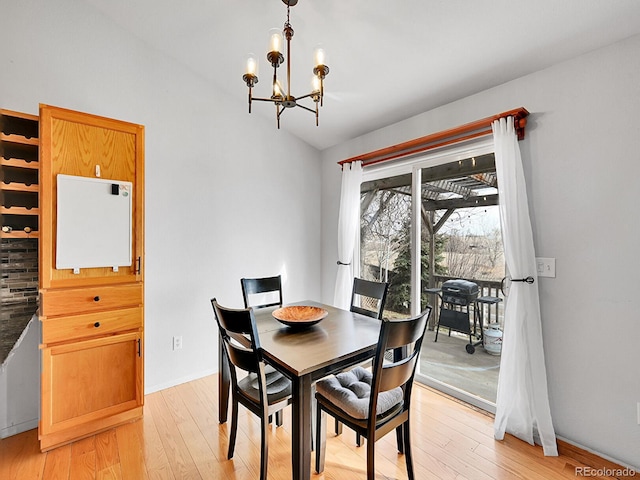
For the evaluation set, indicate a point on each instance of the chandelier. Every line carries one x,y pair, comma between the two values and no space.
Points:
281,99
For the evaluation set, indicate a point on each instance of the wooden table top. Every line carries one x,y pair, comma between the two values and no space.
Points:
340,335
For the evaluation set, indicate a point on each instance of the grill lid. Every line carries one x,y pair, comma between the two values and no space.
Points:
462,289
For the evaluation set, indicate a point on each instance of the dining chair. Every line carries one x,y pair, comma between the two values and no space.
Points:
242,347
375,403
264,292
252,287
367,298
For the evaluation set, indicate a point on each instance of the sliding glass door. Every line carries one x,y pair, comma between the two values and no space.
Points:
385,240
423,223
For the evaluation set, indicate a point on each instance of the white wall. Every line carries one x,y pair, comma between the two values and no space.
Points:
227,195
20,383
582,165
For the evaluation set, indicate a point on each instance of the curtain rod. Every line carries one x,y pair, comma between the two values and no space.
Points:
476,129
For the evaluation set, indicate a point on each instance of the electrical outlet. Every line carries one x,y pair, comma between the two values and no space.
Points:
177,343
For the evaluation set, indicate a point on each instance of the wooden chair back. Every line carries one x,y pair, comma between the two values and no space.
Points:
264,285
367,292
404,337
239,337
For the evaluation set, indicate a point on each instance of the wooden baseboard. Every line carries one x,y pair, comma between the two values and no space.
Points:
56,439
595,462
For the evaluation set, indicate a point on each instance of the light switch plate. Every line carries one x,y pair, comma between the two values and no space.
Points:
546,267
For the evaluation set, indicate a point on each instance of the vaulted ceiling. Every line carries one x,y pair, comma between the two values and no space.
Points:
388,60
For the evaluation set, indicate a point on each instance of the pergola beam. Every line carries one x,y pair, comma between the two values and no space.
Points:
477,201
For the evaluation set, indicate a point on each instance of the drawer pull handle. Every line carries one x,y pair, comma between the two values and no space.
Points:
96,298
97,324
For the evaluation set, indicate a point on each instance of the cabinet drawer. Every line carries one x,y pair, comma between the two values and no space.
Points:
72,301
75,327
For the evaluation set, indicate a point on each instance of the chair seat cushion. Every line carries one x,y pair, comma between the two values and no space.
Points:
278,388
350,392
271,375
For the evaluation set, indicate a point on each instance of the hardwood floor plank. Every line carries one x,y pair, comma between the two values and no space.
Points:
57,464
20,456
106,445
130,442
83,465
155,457
83,446
178,454
179,438
195,397
205,461
112,472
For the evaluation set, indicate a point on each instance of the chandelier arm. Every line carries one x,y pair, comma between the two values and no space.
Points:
312,94
306,108
280,110
265,100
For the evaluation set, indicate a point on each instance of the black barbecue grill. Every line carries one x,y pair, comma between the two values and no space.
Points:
457,297
459,292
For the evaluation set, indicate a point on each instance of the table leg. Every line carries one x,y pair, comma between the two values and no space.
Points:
224,382
301,431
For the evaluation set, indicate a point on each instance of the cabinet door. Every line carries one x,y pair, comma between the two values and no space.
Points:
89,386
85,145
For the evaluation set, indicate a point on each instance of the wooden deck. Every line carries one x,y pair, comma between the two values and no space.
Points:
447,361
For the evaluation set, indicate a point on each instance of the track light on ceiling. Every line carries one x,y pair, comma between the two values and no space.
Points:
279,97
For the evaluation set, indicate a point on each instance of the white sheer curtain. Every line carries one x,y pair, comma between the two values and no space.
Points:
348,222
522,405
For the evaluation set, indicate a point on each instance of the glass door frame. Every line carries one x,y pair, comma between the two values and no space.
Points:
414,165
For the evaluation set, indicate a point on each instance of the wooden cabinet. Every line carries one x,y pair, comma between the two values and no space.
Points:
90,385
18,174
92,318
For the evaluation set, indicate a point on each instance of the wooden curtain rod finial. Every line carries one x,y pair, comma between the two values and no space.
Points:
519,125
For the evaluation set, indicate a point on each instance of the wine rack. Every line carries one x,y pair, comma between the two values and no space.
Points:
19,175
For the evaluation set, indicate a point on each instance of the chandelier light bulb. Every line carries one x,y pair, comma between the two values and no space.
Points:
252,65
275,40
319,56
315,84
277,89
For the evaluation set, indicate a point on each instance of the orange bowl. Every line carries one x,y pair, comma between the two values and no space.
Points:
299,316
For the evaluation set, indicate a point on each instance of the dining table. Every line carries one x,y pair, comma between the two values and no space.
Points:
340,340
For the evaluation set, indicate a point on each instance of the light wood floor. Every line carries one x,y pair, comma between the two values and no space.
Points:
180,438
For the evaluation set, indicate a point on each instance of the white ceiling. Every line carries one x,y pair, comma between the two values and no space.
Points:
389,60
